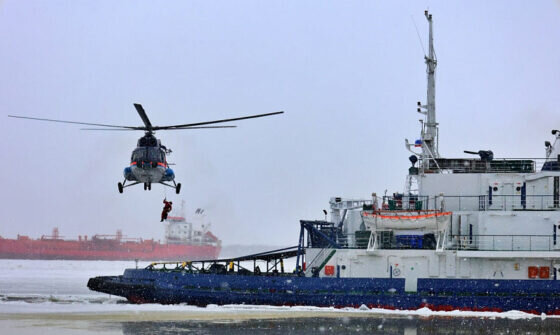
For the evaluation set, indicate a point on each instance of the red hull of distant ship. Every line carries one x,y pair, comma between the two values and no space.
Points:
103,249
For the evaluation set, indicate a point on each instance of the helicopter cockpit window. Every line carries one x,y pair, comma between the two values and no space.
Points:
139,155
154,155
147,154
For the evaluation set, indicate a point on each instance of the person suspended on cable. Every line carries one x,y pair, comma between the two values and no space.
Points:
166,209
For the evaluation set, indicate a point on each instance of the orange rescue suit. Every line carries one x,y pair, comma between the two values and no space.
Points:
166,209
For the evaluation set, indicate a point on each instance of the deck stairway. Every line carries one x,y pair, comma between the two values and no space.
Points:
319,262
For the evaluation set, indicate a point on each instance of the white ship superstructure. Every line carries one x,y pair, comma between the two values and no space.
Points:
471,218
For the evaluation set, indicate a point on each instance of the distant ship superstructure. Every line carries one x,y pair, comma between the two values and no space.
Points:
180,231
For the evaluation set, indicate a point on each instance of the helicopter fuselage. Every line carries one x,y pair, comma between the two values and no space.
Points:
148,163
146,173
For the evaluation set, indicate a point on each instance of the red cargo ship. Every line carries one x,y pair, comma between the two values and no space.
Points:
182,241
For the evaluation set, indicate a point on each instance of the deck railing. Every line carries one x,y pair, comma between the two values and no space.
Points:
483,202
504,242
360,239
496,165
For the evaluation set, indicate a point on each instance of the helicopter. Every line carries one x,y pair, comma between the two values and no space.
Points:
148,162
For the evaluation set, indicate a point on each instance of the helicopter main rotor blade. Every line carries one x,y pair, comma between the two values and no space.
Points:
203,127
75,122
188,125
148,124
112,129
143,116
209,127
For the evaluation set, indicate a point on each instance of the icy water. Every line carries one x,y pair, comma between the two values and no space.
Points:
51,297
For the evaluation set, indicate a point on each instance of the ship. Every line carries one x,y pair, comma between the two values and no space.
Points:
477,233
182,240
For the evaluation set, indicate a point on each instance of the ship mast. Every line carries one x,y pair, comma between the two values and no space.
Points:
430,133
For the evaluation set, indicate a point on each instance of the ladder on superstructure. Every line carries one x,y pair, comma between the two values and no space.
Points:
319,262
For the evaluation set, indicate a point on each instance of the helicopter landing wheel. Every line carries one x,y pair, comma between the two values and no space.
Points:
145,186
120,185
178,188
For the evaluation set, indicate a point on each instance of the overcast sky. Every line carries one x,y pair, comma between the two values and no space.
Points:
347,74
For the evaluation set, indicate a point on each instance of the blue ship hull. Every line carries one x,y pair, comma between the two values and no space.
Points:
172,287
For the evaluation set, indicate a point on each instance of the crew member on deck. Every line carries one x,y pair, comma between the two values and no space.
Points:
166,209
